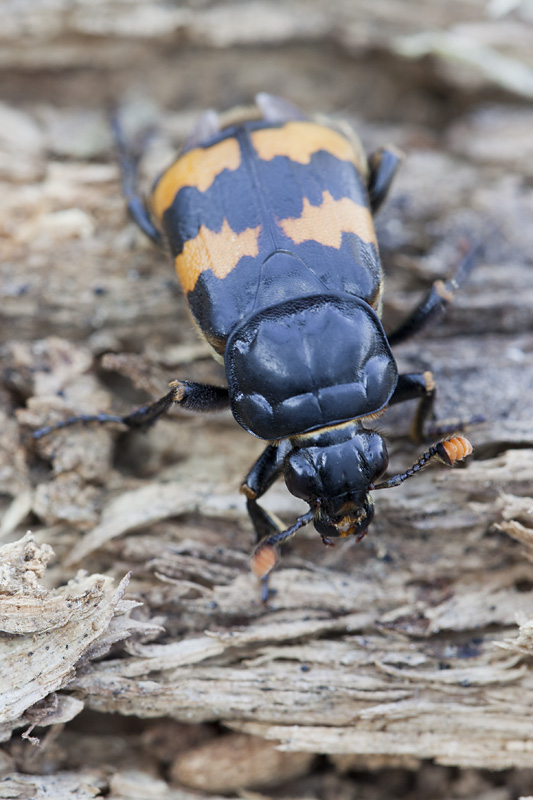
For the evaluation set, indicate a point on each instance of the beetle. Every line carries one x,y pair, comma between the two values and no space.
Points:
268,215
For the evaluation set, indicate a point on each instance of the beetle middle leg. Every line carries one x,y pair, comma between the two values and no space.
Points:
260,478
198,397
419,385
270,531
425,427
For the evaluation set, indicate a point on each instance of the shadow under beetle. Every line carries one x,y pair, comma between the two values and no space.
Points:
268,217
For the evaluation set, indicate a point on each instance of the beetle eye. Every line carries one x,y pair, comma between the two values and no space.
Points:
301,476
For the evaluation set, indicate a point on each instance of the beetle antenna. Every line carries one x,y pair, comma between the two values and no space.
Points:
265,555
448,452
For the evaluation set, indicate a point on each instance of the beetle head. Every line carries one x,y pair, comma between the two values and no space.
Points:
333,470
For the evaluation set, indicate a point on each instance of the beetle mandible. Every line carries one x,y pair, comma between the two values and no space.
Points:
267,214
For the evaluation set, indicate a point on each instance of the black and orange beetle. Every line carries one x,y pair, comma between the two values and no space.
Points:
268,217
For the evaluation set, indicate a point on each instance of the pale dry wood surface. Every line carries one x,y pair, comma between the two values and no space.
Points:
134,646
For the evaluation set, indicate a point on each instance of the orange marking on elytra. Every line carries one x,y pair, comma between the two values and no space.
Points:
220,252
198,168
327,222
299,140
457,448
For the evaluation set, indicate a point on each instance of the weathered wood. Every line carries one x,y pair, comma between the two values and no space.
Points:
410,650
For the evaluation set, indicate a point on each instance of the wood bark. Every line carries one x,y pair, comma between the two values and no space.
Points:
134,646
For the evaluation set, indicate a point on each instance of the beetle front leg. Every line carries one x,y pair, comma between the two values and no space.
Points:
269,531
260,478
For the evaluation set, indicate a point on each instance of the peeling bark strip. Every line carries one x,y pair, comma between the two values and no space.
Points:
48,633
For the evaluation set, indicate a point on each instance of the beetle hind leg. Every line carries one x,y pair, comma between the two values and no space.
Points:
207,125
435,303
382,166
128,159
277,109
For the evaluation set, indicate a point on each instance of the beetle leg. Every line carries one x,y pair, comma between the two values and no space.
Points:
206,126
265,470
265,555
128,163
265,524
382,165
269,530
199,397
417,385
277,109
260,478
422,385
436,301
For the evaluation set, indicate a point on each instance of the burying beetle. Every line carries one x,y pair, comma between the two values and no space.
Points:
268,216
